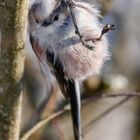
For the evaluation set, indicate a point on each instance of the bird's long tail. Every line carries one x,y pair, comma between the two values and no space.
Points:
70,88
75,101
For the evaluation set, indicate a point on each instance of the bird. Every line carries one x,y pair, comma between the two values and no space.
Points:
55,42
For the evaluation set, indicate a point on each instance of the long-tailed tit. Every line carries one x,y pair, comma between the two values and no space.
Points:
54,41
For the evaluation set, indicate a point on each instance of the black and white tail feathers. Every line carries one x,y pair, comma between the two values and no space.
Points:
70,89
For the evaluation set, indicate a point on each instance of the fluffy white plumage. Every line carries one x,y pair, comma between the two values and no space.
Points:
53,38
59,37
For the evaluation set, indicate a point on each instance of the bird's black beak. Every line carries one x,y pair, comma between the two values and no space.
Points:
45,23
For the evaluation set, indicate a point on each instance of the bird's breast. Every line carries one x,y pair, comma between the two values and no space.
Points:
79,62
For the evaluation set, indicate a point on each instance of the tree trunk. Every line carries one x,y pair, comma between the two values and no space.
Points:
13,17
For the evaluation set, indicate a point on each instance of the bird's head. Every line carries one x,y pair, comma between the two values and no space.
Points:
49,19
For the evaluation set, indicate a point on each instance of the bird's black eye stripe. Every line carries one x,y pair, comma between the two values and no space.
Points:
56,17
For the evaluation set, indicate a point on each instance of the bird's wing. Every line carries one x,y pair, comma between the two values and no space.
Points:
69,87
39,52
57,68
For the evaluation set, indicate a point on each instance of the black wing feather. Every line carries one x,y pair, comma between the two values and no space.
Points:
68,89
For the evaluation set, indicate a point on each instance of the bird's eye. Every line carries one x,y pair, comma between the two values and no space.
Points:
56,17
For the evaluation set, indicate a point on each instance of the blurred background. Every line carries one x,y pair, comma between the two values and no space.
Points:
102,118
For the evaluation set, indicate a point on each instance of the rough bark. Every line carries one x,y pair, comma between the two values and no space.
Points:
13,15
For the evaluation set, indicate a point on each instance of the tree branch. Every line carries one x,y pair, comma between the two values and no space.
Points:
12,31
71,4
42,122
89,126
115,95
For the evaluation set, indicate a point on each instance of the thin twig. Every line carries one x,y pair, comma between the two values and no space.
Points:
40,124
123,94
106,28
89,126
86,128
71,5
